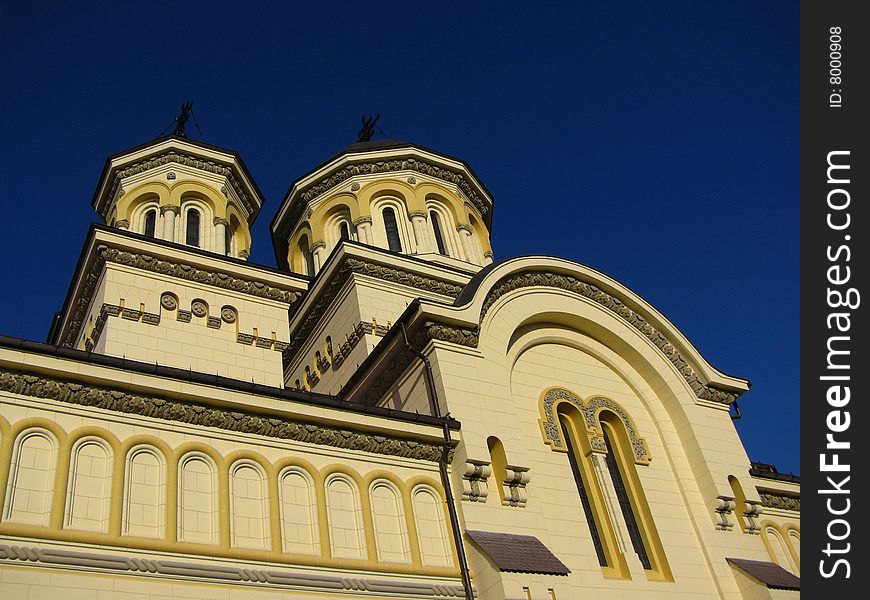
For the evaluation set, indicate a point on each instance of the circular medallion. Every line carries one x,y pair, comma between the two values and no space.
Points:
169,301
199,308
228,314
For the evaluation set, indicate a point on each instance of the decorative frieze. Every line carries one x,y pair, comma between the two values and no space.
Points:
244,338
213,322
638,322
153,264
781,501
199,414
184,316
366,167
172,156
474,488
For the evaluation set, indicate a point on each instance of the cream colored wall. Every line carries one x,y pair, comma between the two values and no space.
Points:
210,510
190,345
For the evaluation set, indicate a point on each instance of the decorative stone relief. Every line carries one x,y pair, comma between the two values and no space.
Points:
412,180
354,187
194,413
331,180
752,518
150,263
171,175
638,322
184,316
170,208
173,156
228,314
199,308
169,301
213,322
725,505
474,488
771,499
590,410
220,221
514,486
122,224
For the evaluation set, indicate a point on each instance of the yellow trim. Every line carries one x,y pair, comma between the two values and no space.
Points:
138,195
405,193
199,191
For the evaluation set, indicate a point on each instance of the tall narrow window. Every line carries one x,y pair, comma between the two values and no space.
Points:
625,504
228,239
584,496
193,227
392,227
344,231
150,223
439,237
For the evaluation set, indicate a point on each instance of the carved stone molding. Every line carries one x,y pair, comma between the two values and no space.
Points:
348,267
122,224
106,254
474,488
118,400
465,228
170,208
771,499
751,517
725,505
148,567
339,176
514,486
220,221
638,322
172,156
417,213
590,410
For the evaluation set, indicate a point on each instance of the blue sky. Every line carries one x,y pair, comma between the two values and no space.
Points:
656,142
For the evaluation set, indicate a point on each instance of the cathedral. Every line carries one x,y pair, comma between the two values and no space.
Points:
391,412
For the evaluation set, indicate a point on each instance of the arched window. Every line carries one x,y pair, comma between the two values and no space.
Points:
580,479
345,518
625,503
228,240
193,219
439,237
150,223
392,227
344,230
307,257
197,500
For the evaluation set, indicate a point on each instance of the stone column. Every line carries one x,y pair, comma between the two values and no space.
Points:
418,222
122,224
168,212
487,258
364,230
220,235
319,252
471,254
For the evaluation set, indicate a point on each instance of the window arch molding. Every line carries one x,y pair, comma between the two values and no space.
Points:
400,210
333,224
156,528
148,203
258,517
314,504
21,434
447,227
399,521
591,410
131,201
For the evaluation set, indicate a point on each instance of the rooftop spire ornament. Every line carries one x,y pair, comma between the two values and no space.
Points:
181,119
368,128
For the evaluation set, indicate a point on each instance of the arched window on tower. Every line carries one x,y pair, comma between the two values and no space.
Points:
439,236
344,231
393,240
193,219
150,223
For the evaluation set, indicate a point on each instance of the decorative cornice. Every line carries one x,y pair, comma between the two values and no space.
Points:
192,413
146,262
395,367
188,160
771,499
348,267
157,567
372,166
638,322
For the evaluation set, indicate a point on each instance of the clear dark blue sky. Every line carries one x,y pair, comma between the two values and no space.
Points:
654,141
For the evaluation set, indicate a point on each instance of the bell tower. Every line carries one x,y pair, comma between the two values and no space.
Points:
182,191
391,195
